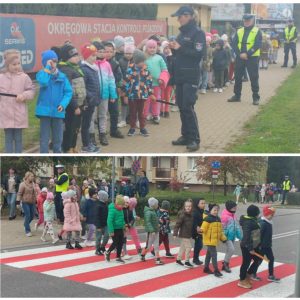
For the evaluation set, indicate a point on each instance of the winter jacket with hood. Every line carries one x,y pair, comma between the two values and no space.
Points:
14,114
212,231
115,219
184,225
197,220
230,225
266,232
26,193
49,211
40,202
101,210
150,220
72,216
251,232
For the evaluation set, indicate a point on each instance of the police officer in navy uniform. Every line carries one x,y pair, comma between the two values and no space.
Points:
246,45
188,49
290,40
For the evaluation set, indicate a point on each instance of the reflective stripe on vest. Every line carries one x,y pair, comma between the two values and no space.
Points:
287,185
250,40
289,34
63,187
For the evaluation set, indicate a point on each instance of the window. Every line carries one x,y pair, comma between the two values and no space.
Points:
192,163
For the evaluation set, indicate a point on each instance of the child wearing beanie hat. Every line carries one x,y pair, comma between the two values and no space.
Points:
152,228
164,227
69,65
93,92
13,110
54,98
184,230
157,68
49,216
137,88
266,234
72,218
212,233
250,244
231,230
101,211
116,226
219,64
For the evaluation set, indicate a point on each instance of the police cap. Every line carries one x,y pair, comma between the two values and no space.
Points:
183,10
248,17
59,166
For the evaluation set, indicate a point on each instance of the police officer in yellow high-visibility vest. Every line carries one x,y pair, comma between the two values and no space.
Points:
286,187
62,185
246,45
290,40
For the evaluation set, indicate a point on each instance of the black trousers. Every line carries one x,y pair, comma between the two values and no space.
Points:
117,243
287,48
59,207
269,254
72,127
219,78
186,96
252,67
197,247
113,109
86,122
284,193
245,267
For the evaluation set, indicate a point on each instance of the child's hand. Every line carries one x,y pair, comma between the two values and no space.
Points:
20,98
50,63
161,82
153,98
60,108
112,100
77,111
126,100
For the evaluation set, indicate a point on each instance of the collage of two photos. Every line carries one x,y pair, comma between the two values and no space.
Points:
149,150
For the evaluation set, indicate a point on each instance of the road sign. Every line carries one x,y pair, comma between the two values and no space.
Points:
215,172
216,164
215,176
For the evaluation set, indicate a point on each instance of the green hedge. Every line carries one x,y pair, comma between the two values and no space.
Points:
293,198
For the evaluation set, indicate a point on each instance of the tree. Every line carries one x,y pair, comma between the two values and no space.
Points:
239,168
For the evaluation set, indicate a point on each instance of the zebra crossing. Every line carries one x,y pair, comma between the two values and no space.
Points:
145,279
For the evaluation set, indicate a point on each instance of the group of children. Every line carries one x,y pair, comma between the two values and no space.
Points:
205,227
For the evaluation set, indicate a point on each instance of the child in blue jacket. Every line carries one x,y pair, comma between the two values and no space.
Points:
55,95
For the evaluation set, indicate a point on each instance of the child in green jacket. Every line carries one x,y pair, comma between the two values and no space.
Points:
116,225
152,229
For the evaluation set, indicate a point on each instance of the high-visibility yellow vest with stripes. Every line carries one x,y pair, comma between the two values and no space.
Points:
286,185
63,187
250,40
289,34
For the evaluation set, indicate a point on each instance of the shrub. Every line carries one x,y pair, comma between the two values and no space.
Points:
293,198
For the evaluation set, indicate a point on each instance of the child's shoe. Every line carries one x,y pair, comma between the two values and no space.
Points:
167,114
127,257
215,90
78,246
121,124
69,245
120,260
187,264
88,243
225,267
220,90
144,132
143,257
131,132
207,270
36,226
98,252
55,241
153,253
156,120
158,262
179,262
217,273
273,279
244,284
107,255
197,262
139,251
202,91
255,277
169,255
43,239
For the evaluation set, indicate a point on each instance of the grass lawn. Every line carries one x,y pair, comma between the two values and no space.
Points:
276,127
31,134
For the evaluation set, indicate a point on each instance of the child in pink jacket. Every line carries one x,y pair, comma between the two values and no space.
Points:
72,218
15,89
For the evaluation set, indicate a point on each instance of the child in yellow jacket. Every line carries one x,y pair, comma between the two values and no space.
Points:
212,232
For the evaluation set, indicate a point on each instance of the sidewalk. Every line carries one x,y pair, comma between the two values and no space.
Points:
13,236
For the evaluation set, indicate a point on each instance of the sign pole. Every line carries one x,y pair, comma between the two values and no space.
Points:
113,179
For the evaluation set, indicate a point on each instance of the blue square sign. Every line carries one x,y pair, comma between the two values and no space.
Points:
18,33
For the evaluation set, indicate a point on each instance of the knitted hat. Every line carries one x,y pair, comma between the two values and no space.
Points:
268,210
103,196
132,203
129,48
50,196
211,206
230,205
67,51
138,56
44,190
119,41
151,43
164,44
98,45
208,39
65,195
165,205
152,202
71,193
87,50
253,211
48,55
126,199
224,37
120,200
129,40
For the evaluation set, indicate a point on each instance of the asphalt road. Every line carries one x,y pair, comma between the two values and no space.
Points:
20,283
